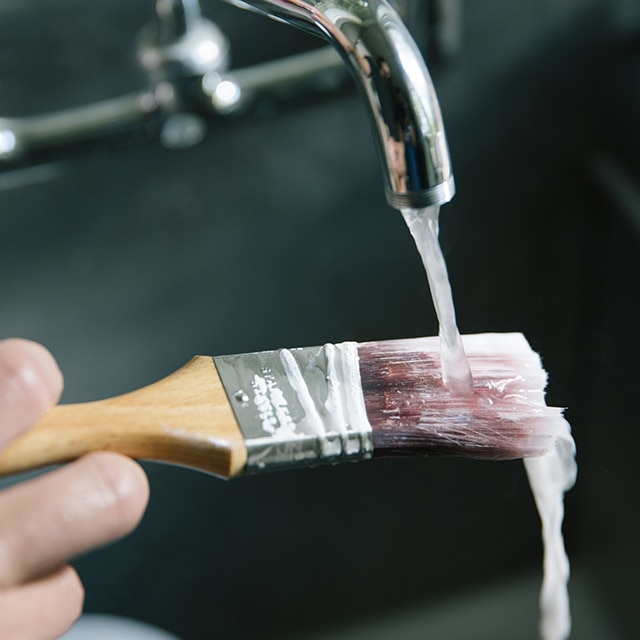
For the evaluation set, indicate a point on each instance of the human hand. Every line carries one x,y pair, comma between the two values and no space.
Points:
48,520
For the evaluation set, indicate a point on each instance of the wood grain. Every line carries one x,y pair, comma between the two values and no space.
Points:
184,419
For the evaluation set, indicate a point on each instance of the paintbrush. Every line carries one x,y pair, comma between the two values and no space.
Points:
232,415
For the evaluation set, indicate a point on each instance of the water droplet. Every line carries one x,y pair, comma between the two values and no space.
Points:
241,396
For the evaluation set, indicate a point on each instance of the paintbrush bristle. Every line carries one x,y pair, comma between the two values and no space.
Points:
413,413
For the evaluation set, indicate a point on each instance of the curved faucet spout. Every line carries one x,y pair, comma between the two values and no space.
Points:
400,96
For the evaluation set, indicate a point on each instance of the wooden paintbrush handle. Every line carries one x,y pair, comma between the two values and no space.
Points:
183,419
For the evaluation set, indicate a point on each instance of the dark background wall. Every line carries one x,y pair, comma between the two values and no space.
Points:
274,232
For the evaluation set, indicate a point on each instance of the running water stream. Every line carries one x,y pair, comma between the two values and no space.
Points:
424,227
550,476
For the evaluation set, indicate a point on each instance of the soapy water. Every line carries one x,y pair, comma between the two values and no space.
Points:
550,475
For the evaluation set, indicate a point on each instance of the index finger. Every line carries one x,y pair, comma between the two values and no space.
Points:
30,383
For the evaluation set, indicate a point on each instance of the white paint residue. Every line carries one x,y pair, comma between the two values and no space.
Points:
334,403
354,396
273,410
550,476
345,399
297,382
341,426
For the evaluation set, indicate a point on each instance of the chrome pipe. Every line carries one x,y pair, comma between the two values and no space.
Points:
21,136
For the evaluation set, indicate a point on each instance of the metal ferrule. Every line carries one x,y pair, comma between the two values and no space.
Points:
298,407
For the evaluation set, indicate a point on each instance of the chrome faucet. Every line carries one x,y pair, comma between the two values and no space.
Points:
187,59
401,100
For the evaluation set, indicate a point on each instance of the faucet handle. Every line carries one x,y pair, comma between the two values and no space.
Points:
175,19
181,42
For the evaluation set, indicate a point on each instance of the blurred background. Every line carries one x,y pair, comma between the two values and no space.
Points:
128,255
